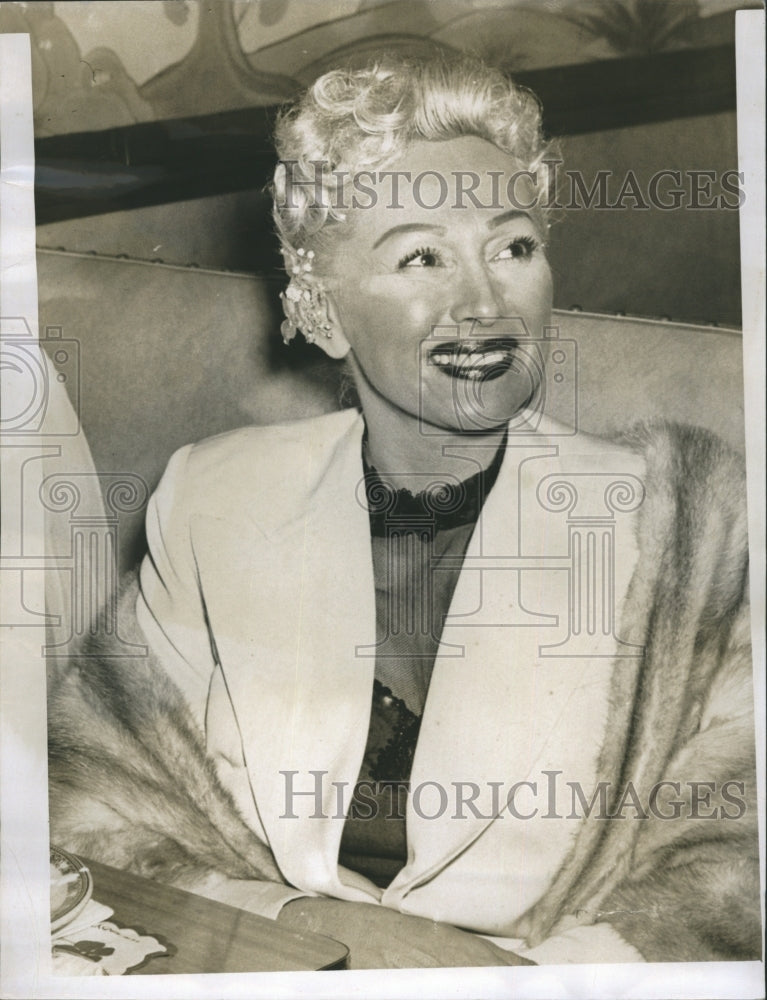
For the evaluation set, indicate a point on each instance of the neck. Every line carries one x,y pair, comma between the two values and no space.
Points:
402,450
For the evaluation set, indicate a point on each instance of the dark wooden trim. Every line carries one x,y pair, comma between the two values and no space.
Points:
618,93
90,173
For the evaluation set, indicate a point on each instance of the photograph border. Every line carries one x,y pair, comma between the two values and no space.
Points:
24,917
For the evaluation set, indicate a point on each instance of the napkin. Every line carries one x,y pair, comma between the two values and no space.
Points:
91,945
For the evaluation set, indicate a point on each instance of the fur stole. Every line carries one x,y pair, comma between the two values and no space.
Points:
129,781
683,889
130,784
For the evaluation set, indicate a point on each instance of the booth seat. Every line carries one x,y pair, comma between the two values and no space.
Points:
155,356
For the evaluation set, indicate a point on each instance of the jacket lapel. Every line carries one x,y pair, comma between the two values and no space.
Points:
499,711
287,645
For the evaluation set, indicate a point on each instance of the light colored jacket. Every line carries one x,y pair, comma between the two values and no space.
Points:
257,597
597,645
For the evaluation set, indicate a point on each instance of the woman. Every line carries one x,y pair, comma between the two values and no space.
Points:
406,705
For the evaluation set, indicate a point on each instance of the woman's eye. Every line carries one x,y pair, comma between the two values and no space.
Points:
520,248
424,257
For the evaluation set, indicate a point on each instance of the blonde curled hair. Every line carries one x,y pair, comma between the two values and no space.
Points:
364,119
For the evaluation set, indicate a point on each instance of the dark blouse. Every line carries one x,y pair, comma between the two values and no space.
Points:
410,536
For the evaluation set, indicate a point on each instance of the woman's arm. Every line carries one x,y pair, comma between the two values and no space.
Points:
130,781
693,894
692,891
681,882
169,609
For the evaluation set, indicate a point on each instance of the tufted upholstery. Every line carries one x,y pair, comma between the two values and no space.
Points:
169,355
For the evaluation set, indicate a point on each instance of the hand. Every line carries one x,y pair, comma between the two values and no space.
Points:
380,938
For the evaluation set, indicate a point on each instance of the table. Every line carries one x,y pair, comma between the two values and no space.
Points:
206,936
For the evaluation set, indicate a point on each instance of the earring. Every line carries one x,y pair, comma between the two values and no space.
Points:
303,302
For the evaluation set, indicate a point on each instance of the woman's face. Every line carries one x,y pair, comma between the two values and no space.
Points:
433,300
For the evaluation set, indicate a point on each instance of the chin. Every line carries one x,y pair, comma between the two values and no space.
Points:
473,424
476,411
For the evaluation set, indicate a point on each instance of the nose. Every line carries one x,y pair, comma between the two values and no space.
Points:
477,297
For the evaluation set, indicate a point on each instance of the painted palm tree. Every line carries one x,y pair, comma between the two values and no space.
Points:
637,27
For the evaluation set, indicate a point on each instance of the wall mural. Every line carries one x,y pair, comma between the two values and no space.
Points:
153,124
101,64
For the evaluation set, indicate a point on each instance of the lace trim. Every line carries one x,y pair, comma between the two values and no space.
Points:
394,760
442,506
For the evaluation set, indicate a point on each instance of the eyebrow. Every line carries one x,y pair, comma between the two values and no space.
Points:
409,227
513,213
420,227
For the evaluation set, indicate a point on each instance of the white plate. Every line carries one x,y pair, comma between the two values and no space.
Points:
71,887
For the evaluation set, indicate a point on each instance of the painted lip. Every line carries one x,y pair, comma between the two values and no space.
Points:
474,360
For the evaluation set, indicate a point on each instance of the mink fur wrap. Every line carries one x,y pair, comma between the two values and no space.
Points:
130,784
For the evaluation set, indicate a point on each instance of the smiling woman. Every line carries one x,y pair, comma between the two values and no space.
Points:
440,295
436,675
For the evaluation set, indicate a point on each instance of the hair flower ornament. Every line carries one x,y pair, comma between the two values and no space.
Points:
303,301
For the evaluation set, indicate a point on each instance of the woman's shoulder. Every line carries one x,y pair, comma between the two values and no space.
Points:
689,456
279,443
695,507
684,472
575,450
665,448
230,469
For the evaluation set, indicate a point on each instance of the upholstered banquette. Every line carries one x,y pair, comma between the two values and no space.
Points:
153,356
